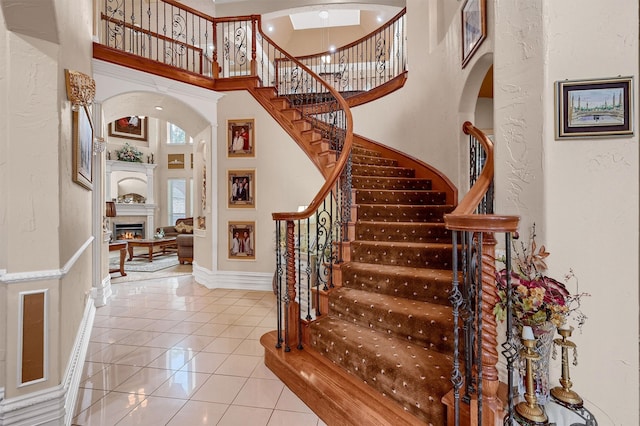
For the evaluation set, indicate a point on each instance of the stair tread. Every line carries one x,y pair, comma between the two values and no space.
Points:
402,271
425,284
337,396
399,365
409,244
419,310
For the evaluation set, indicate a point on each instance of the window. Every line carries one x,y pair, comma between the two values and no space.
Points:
191,198
177,199
177,136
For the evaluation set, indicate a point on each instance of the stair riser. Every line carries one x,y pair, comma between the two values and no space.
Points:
401,232
373,161
401,256
394,213
356,150
433,291
399,197
292,114
361,170
367,182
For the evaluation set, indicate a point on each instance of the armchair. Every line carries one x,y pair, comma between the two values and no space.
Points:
183,231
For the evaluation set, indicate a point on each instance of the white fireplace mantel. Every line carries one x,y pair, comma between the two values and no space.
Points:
135,209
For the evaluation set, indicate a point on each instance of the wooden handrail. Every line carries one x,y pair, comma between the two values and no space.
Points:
188,9
471,201
361,39
132,27
344,155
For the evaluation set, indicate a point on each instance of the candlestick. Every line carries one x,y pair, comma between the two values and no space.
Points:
564,393
530,409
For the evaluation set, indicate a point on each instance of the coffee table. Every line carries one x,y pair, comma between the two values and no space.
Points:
155,246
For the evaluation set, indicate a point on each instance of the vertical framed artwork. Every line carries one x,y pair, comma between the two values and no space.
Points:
474,27
133,127
240,138
241,188
242,240
591,108
82,157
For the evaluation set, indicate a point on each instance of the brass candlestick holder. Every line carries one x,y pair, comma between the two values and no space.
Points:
564,393
530,409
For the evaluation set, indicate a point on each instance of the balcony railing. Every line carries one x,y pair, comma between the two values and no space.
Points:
170,33
367,63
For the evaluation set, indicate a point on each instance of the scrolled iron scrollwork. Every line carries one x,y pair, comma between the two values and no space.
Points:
381,53
240,46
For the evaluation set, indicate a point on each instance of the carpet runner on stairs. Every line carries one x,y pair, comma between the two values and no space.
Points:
390,322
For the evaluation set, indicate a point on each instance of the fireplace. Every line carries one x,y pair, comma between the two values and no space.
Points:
128,231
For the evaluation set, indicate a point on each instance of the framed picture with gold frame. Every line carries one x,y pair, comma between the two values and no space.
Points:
175,161
133,127
241,188
242,241
240,138
82,157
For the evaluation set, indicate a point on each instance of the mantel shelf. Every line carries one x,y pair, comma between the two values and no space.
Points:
128,166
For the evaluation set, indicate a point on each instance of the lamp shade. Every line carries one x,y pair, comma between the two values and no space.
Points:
111,209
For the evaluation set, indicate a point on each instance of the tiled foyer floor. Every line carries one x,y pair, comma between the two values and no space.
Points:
171,352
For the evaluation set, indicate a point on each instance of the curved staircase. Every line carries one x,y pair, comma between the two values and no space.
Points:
389,321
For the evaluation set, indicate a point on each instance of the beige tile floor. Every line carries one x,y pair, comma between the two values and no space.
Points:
169,351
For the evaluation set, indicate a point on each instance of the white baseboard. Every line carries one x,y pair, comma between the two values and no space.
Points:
233,279
55,405
102,294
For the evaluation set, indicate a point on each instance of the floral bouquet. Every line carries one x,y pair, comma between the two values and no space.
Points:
129,153
536,298
540,302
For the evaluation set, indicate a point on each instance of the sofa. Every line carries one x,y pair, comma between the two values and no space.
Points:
183,231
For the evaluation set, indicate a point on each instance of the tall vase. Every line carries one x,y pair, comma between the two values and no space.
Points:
544,342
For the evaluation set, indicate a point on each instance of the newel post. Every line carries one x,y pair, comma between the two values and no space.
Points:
494,410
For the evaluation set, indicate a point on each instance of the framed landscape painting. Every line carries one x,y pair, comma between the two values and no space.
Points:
82,157
589,108
242,240
240,138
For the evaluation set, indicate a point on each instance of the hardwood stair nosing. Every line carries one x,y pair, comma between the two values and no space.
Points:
336,396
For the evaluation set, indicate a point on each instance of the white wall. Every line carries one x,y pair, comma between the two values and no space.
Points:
591,201
285,177
583,193
45,218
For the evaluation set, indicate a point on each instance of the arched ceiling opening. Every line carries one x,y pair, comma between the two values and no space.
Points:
146,103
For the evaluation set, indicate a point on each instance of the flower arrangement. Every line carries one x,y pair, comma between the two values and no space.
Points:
536,298
129,153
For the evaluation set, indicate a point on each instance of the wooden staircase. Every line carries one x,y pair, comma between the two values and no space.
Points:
388,188
308,138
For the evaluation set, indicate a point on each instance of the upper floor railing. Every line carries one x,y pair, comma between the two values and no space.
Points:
173,34
163,31
367,63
